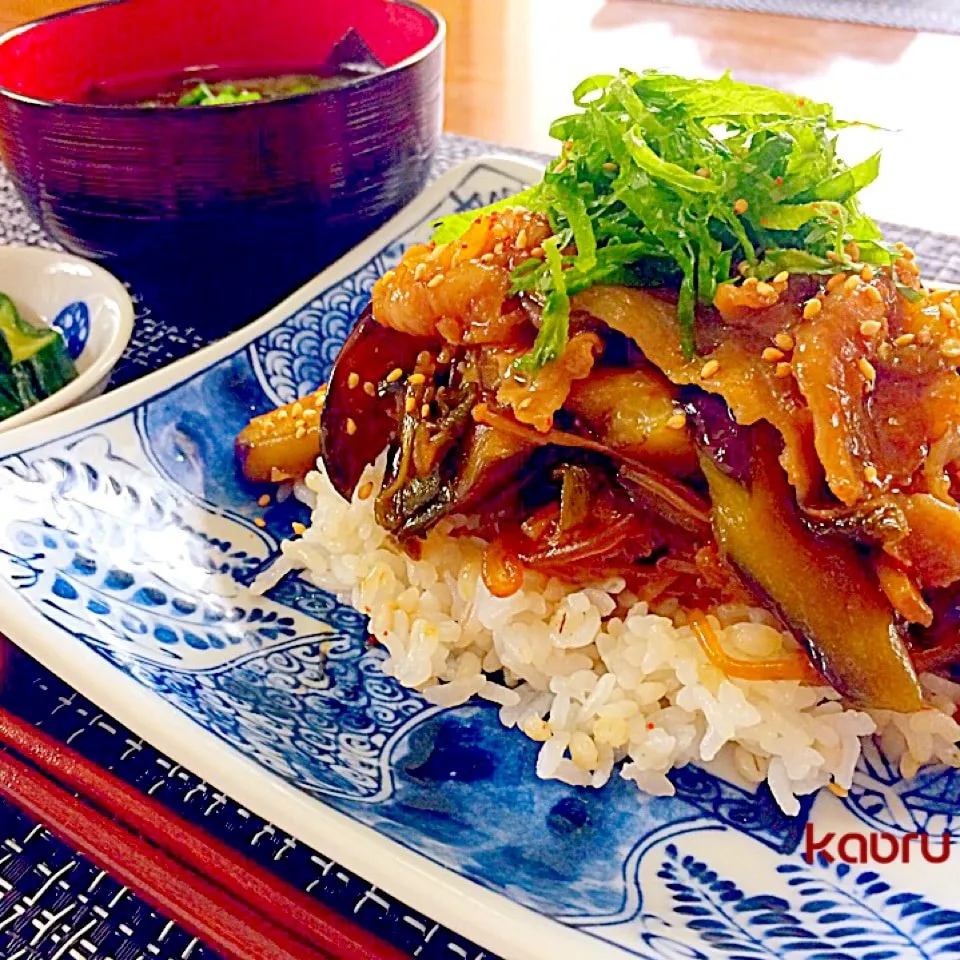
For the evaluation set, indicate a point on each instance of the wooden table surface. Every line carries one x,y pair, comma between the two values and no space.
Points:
513,63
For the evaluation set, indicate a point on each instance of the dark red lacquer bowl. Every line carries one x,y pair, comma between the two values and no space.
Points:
220,211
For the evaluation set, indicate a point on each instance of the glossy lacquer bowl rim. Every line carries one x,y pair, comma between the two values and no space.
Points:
490,919
424,53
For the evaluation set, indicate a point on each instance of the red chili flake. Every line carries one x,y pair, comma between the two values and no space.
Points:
801,101
778,181
651,726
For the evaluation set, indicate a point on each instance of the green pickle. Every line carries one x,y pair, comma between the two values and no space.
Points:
34,363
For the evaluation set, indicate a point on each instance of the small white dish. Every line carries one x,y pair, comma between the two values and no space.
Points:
89,306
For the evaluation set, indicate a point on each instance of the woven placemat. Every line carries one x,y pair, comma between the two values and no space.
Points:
54,904
938,16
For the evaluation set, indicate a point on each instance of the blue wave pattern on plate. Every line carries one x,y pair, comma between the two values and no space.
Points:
73,322
290,680
296,357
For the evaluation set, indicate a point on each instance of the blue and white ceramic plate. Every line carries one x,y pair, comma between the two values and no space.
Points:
89,306
127,543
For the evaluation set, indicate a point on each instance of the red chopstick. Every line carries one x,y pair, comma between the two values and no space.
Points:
200,907
287,912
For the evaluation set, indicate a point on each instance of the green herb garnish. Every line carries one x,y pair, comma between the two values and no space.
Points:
664,180
203,95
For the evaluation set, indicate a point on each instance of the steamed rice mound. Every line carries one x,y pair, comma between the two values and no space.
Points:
602,681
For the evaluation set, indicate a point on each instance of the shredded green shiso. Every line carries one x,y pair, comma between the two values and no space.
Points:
645,193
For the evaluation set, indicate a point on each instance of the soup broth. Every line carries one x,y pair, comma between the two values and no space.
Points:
195,88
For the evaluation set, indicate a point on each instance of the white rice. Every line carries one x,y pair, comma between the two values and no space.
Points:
599,679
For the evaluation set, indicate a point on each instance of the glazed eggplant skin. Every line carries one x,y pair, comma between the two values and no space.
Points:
360,413
820,586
